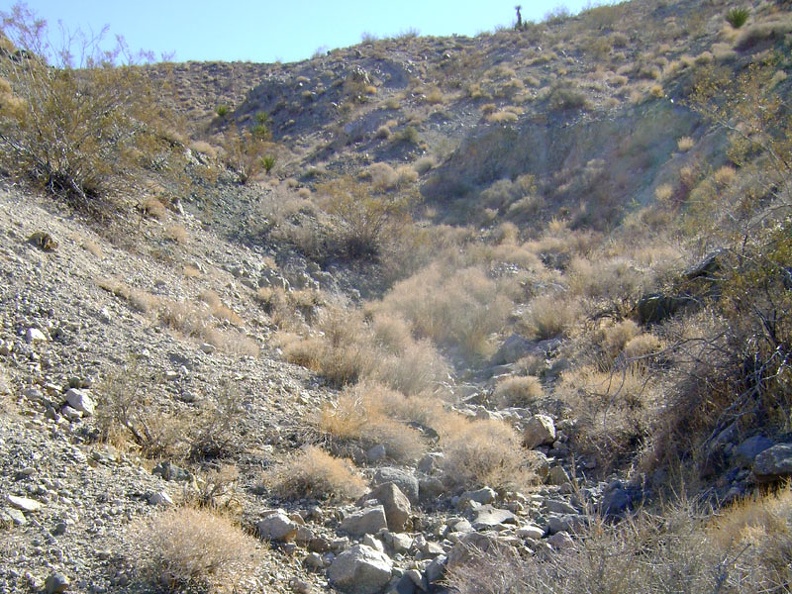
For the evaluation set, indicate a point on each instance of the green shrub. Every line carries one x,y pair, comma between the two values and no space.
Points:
222,111
737,17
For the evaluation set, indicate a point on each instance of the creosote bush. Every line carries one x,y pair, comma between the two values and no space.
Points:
78,126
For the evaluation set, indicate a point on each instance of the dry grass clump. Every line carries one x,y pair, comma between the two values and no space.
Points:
479,453
519,391
613,279
292,311
353,345
460,308
193,548
177,234
550,315
190,319
316,474
361,415
218,309
341,354
615,409
415,369
684,548
614,338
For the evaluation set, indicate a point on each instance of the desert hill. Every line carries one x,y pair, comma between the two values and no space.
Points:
496,314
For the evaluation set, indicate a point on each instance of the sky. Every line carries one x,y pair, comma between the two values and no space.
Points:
277,30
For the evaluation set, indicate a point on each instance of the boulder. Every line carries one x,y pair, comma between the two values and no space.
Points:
366,521
748,450
483,496
405,480
539,430
774,463
396,504
360,570
81,401
513,349
277,527
489,517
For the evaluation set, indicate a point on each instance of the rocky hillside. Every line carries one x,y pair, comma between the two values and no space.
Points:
424,314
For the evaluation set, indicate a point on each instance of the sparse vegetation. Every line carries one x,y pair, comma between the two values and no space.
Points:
192,548
450,238
315,473
83,126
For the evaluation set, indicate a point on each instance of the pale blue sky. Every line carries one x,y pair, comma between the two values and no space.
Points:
285,30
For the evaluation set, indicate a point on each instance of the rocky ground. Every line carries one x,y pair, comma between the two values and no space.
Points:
68,498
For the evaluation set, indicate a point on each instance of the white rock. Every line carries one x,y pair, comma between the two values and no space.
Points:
367,521
161,498
24,504
539,430
277,527
360,570
35,335
530,532
79,400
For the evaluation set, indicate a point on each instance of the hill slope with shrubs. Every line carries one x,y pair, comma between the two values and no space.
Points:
448,309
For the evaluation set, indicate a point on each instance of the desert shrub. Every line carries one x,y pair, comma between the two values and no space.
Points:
126,416
81,126
737,17
192,548
615,410
366,218
479,453
615,337
363,414
774,28
248,153
454,308
342,354
641,346
520,391
566,97
550,315
683,548
416,368
217,431
615,280
503,192
314,473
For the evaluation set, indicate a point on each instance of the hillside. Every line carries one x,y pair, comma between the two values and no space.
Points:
486,314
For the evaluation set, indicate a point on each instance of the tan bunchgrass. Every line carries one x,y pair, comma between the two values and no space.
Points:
360,415
685,143
519,391
176,233
314,473
551,315
484,452
193,548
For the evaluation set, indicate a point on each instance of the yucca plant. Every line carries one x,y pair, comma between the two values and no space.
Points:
737,17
